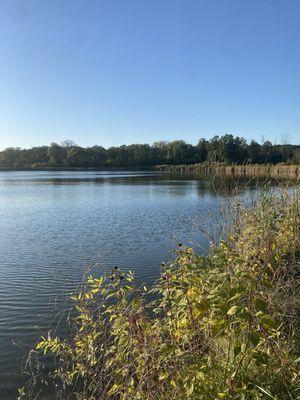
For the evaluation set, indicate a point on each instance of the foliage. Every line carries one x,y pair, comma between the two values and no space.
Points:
221,326
227,148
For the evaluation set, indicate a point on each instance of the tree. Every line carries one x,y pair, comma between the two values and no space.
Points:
68,143
179,152
254,150
57,154
214,150
202,150
227,148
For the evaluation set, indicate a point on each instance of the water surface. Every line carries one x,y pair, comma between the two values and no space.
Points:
53,225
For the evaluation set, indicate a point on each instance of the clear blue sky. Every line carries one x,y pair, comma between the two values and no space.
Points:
127,71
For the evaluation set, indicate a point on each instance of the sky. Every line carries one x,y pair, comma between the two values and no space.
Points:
114,72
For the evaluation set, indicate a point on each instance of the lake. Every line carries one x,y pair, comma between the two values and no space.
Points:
55,225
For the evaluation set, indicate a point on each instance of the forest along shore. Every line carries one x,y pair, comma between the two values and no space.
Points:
260,170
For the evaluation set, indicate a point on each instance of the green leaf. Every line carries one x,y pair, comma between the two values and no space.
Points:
254,338
232,310
167,349
260,304
162,376
261,357
190,387
268,322
265,392
237,350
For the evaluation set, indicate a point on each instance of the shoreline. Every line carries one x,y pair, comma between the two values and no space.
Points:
141,168
254,170
250,170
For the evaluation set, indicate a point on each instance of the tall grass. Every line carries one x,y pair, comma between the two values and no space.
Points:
222,326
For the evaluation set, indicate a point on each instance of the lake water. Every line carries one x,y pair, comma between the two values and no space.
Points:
53,225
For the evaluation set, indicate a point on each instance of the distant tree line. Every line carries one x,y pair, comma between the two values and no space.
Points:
226,149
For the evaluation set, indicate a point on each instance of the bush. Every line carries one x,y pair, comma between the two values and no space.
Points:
222,326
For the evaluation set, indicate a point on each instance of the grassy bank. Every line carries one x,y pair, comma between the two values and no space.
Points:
250,170
222,326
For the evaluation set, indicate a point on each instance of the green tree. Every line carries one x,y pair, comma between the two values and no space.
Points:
57,154
202,150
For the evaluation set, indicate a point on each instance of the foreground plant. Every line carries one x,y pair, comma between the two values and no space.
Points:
222,326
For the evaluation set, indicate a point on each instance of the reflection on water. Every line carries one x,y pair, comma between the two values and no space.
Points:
54,224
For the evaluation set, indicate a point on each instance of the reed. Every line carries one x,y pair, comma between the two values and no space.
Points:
249,170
